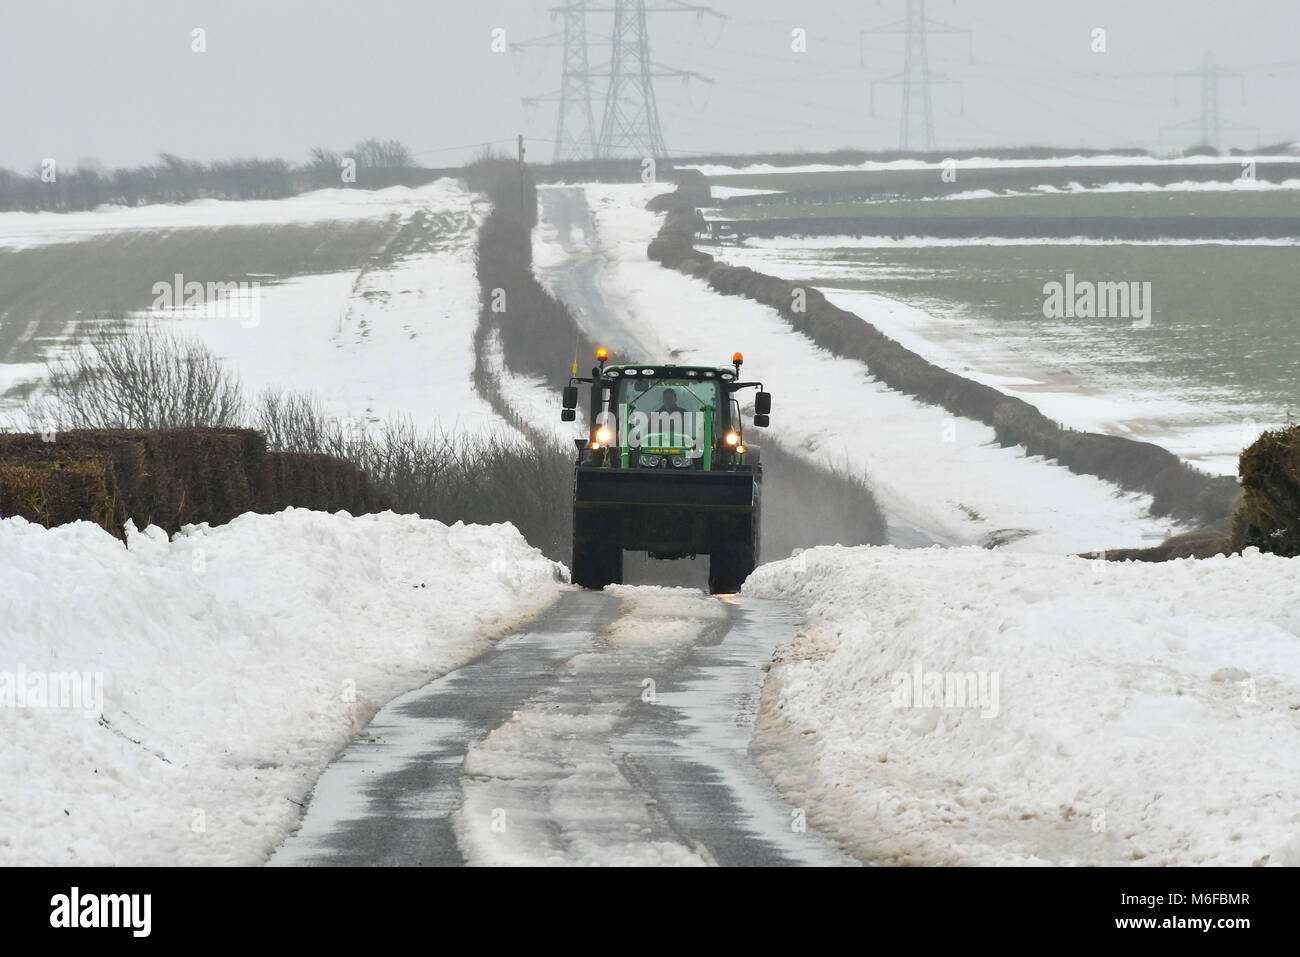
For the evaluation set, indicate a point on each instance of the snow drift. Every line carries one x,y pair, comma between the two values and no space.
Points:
971,707
235,662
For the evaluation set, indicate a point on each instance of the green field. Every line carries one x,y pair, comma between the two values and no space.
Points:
1224,317
1261,204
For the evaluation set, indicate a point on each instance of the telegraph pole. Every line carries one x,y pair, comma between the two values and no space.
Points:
523,177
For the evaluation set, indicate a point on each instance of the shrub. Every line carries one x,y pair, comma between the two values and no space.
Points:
448,476
1269,515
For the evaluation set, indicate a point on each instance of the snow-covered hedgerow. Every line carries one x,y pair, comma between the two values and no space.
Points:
964,706
206,681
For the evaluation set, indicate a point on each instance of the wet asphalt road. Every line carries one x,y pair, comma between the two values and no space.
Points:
685,785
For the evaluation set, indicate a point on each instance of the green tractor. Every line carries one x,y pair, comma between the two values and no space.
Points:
665,470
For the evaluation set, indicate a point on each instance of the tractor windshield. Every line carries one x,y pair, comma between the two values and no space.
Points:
666,414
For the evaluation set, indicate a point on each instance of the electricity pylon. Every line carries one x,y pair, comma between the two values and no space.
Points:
630,124
916,78
1210,122
575,124
630,120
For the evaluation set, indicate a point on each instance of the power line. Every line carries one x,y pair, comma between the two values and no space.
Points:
630,118
630,124
916,78
575,125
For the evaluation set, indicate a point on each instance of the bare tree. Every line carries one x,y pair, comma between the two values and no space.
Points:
139,377
450,476
324,158
390,154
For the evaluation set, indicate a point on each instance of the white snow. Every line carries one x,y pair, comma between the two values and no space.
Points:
942,475
373,344
235,661
970,194
728,192
1208,429
1132,713
389,340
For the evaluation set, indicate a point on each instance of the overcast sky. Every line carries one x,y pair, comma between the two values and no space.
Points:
118,81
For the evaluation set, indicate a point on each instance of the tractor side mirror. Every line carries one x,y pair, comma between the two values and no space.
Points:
570,399
762,404
568,415
762,421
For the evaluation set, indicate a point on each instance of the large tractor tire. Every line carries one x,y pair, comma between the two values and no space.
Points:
596,565
730,566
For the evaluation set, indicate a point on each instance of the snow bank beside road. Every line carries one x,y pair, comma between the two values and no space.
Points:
1122,713
236,661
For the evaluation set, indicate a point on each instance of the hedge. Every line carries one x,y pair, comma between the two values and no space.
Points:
1269,516
169,478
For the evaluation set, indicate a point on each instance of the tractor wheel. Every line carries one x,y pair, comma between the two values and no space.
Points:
596,565
729,567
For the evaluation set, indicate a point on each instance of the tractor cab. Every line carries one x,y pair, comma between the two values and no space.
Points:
665,469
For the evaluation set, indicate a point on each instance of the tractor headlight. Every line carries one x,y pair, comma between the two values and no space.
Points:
649,461
603,435
733,438
680,461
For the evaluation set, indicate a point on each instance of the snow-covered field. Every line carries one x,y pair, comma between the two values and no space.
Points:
1209,434
1208,428
382,342
24,230
231,665
941,475
1114,713
391,339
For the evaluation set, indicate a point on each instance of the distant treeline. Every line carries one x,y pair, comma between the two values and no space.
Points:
383,163
172,179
